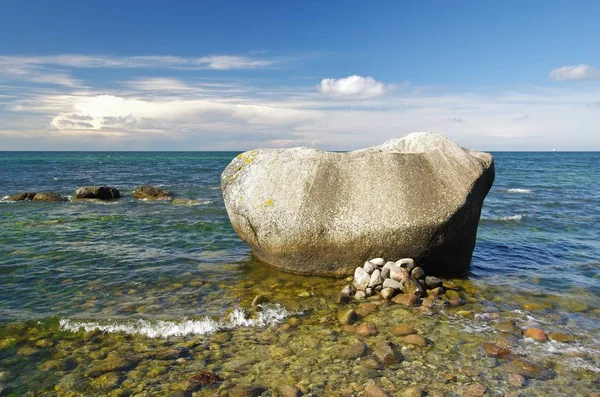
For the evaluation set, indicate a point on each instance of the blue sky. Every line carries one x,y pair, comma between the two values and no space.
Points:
156,75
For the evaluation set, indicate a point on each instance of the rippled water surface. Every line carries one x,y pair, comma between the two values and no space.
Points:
167,288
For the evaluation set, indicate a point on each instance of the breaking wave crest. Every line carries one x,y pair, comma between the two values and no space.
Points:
509,218
270,315
519,191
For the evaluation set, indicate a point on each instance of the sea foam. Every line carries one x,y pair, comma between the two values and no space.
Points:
519,191
270,315
508,218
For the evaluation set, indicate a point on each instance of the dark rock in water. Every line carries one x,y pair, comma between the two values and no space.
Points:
202,378
247,391
288,391
529,369
148,192
344,298
353,350
259,300
409,300
366,329
509,327
21,196
411,286
48,196
494,350
374,391
306,211
347,316
96,192
388,293
433,282
385,354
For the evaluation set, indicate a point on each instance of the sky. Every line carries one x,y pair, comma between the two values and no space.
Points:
336,75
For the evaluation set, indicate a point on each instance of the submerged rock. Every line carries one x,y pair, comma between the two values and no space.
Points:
21,196
48,196
147,192
97,192
529,369
306,211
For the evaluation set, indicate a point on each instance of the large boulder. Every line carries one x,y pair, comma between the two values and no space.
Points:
96,192
48,196
314,212
147,192
21,196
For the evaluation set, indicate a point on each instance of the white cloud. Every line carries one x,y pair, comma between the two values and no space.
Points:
352,87
216,62
160,84
579,72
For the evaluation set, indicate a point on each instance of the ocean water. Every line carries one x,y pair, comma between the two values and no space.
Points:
168,276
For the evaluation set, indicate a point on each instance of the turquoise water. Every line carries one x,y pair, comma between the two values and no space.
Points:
119,262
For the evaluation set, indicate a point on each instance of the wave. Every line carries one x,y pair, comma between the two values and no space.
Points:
519,191
270,315
509,218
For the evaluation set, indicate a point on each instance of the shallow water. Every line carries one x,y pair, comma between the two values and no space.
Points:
169,288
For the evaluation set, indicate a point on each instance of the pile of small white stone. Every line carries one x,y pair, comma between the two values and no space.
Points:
389,279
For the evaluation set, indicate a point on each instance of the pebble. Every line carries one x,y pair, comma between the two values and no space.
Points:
246,391
347,316
398,273
349,328
366,329
385,272
516,380
532,307
385,354
536,334
361,279
455,302
390,283
288,391
494,350
433,282
560,337
374,391
476,390
364,309
403,330
413,392
409,300
411,286
353,350
344,298
414,339
369,268
508,327
376,279
377,261
529,369
407,263
417,273
436,291
360,295
388,293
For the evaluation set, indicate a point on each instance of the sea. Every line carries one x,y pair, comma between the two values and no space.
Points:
133,297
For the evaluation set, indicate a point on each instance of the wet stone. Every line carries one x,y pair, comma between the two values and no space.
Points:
508,327
107,382
246,391
403,330
353,350
413,392
561,337
414,339
494,350
436,291
411,286
398,273
366,329
476,390
361,279
389,283
374,391
417,273
385,354
536,334
288,391
516,380
433,282
259,299
529,369
388,293
409,300
347,316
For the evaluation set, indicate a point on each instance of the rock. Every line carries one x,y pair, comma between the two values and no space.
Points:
374,391
347,316
436,291
414,339
516,380
377,261
536,334
369,291
375,279
48,196
476,390
447,284
147,192
259,299
107,382
529,369
385,272
417,273
199,379
433,282
406,263
560,337
398,273
366,329
411,286
455,302
348,290
403,329
361,279
21,196
385,354
388,293
369,267
344,298
494,350
409,300
360,295
304,210
96,192
288,391
535,306
451,294
353,350
246,391
111,363
413,392
389,283
508,327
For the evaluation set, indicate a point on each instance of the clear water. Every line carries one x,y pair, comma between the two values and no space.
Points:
133,265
